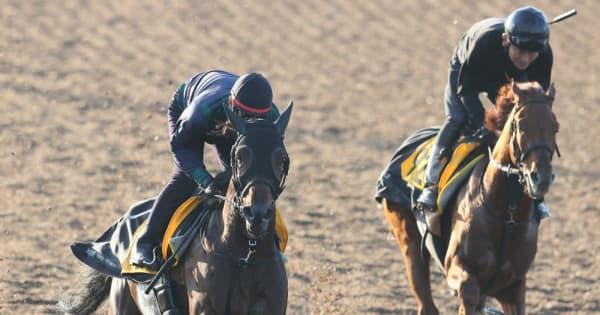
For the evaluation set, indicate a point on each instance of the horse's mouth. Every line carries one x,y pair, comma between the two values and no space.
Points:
257,229
536,192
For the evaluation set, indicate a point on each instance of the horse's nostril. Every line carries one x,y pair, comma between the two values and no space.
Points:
248,213
534,177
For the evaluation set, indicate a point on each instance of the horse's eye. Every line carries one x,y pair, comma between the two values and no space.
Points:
243,157
279,162
522,127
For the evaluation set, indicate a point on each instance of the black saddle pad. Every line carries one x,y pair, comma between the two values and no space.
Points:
109,253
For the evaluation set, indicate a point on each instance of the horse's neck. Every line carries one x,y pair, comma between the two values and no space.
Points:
496,183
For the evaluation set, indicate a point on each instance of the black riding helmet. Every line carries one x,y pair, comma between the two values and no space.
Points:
251,95
527,28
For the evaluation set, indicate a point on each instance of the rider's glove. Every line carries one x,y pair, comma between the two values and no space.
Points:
210,189
202,178
216,185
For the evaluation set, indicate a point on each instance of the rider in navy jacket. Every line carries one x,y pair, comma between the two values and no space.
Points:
196,117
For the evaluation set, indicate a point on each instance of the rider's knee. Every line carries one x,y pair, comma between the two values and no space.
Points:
456,118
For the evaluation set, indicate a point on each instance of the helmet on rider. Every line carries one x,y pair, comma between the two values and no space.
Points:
527,28
251,96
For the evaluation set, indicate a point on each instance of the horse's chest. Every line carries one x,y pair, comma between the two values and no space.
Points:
503,262
242,290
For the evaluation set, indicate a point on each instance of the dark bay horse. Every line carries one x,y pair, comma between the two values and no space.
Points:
235,268
492,232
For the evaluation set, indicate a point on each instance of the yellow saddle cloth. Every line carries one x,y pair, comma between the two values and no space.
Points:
169,244
458,167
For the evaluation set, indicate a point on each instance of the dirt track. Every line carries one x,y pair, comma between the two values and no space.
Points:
83,92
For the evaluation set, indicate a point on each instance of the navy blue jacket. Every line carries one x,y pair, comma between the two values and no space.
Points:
198,117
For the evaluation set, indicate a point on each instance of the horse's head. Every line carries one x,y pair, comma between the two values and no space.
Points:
531,130
259,166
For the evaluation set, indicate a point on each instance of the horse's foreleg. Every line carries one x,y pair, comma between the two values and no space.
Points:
406,233
470,299
121,299
513,299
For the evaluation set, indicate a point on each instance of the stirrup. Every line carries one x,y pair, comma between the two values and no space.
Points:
144,261
427,201
422,206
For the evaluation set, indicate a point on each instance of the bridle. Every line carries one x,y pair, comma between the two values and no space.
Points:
243,182
521,155
516,177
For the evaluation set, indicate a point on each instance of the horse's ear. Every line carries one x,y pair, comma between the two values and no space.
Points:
283,120
551,91
514,86
238,123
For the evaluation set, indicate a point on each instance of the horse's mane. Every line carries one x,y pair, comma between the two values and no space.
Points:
495,118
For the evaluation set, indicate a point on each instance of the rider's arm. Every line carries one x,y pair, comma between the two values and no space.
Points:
468,93
473,75
187,145
474,109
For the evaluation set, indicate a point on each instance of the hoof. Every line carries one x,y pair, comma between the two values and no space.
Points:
491,311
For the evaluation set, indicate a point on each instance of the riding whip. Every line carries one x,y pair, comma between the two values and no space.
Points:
564,16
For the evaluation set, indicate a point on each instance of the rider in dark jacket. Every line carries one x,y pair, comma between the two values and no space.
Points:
491,53
196,116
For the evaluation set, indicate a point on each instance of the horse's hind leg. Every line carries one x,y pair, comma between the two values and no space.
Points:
121,300
406,233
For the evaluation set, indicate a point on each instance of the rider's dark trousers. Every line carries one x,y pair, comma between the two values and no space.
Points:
179,189
456,114
456,118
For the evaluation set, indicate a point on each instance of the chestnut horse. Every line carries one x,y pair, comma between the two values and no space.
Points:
492,232
235,268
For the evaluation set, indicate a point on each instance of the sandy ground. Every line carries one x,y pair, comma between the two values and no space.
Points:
83,134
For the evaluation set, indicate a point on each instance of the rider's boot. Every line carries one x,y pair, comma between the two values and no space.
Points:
146,255
427,201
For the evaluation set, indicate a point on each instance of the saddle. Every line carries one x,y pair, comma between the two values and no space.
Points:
403,180
111,253
464,157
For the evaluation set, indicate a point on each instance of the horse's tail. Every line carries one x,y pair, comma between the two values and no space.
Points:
91,290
